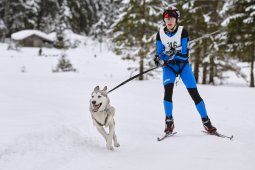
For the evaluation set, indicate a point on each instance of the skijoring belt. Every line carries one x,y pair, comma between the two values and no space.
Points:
178,62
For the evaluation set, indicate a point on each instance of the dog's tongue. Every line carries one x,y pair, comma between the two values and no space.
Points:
96,107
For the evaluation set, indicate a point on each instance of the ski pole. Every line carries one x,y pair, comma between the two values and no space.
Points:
205,36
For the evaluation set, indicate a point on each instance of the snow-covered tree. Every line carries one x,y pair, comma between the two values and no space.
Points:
46,12
134,32
108,10
64,65
193,18
240,21
207,55
107,13
62,23
13,16
43,14
3,31
211,59
83,15
99,31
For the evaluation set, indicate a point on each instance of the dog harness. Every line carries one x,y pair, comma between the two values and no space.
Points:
106,110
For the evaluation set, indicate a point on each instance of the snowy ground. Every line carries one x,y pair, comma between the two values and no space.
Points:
45,123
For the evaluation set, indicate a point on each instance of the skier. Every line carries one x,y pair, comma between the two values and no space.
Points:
173,53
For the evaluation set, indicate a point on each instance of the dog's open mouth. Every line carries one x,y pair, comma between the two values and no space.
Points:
96,107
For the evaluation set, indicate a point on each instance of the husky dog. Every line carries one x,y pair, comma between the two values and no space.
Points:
102,115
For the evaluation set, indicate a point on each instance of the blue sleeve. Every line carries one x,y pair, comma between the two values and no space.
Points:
160,49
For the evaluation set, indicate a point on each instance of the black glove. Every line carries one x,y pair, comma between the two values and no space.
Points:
156,60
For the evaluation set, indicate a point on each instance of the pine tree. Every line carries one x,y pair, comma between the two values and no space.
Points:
99,31
3,31
213,62
3,20
107,14
240,18
43,14
64,64
192,17
13,16
108,10
46,13
134,33
83,15
31,10
212,59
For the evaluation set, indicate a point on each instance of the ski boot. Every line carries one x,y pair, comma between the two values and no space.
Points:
169,125
208,125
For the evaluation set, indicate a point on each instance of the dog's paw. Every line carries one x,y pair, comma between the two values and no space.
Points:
116,144
109,147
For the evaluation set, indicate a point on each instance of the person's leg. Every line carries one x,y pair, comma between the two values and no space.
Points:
198,102
189,80
168,82
168,102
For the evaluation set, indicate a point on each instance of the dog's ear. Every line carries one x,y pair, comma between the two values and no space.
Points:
105,88
96,88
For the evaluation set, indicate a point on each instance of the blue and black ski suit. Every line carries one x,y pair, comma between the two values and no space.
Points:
178,65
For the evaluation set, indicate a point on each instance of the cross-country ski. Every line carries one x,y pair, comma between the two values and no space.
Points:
219,135
166,136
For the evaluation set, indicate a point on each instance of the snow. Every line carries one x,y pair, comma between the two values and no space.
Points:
206,18
250,8
20,35
2,25
46,125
